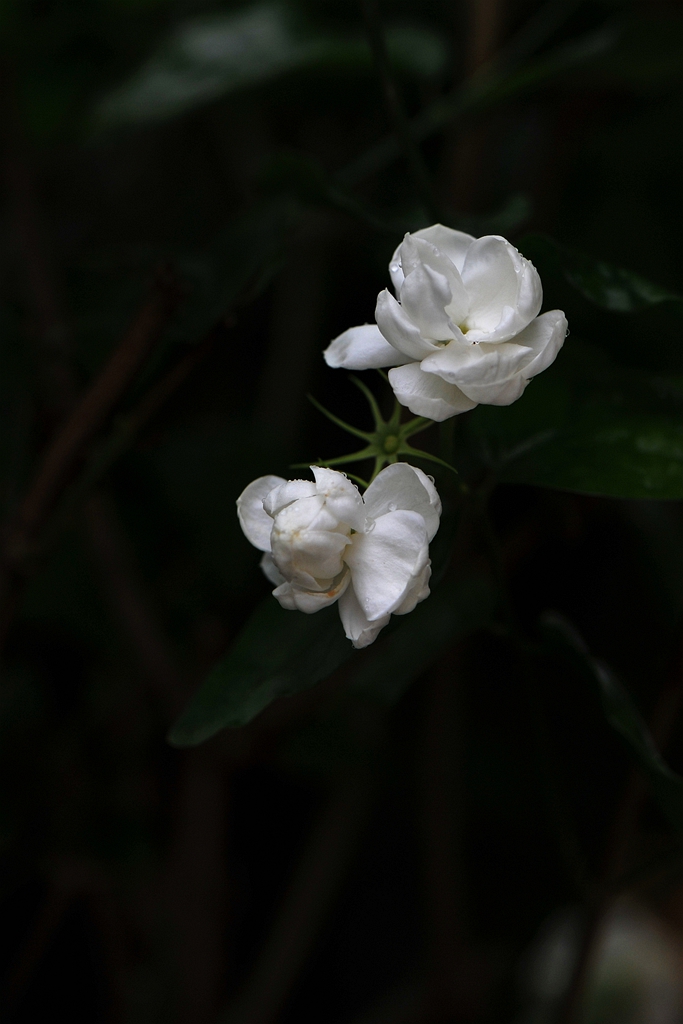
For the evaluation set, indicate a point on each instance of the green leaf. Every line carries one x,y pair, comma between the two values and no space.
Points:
625,457
609,286
588,426
211,56
625,718
455,609
278,652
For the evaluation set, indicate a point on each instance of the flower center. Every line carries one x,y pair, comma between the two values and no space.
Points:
391,443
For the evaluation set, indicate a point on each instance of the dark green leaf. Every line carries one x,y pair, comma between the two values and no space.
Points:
278,652
586,425
211,56
609,286
456,608
623,457
624,717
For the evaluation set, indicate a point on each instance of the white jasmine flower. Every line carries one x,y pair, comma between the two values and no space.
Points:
464,328
323,542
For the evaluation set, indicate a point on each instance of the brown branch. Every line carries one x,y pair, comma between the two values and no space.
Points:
126,590
92,411
310,893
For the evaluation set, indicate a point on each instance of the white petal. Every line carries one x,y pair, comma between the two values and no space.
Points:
504,289
295,598
425,394
544,336
356,624
287,492
462,364
542,340
424,296
270,570
417,592
384,562
452,244
403,486
308,543
362,348
418,254
504,393
254,520
398,328
342,498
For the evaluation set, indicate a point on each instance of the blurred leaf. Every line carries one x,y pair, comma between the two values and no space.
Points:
480,93
649,55
624,717
623,457
586,425
456,608
212,56
613,288
278,652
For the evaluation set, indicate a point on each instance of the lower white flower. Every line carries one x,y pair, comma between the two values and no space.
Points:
323,542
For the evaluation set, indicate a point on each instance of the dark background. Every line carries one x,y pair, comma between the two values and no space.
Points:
338,860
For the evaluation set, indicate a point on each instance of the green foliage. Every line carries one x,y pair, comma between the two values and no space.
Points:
624,717
386,444
455,609
212,56
613,288
590,427
277,653
280,652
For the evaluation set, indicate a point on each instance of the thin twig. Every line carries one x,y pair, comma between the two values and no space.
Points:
394,104
310,893
121,437
127,592
93,409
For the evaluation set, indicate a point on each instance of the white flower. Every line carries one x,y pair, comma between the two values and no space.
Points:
323,542
464,328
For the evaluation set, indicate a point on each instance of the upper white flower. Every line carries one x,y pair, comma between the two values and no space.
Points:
463,329
323,542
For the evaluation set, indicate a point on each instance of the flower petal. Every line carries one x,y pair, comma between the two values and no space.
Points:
403,486
453,244
545,337
254,520
306,544
362,348
504,289
425,394
450,242
295,598
342,498
384,562
424,296
462,364
286,493
542,340
418,590
398,328
356,624
418,254
270,570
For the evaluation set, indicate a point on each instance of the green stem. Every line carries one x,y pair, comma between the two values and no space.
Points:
415,426
372,402
339,423
364,453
